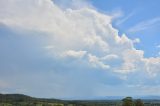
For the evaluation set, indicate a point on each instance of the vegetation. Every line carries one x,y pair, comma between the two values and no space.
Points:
23,100
128,101
139,102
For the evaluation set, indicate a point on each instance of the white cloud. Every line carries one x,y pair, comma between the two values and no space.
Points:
75,54
145,25
84,35
152,64
74,4
136,40
76,32
110,57
121,21
95,61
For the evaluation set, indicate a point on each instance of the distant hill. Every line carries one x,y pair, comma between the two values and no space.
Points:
24,100
14,97
121,97
22,97
149,97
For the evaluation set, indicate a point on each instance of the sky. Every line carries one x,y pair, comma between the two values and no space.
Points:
80,49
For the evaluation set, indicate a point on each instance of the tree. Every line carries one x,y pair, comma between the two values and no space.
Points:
128,101
139,102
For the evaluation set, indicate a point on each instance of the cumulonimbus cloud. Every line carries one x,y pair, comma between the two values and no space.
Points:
84,35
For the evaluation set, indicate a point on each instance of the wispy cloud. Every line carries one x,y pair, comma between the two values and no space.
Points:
158,46
145,25
121,21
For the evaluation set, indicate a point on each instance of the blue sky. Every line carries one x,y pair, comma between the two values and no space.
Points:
133,13
80,49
